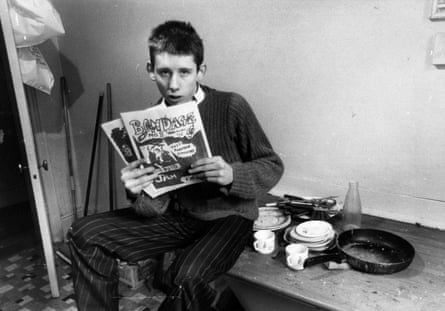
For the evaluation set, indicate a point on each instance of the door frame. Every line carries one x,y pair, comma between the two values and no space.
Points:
30,147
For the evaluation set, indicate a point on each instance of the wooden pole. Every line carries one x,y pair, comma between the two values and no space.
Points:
111,185
93,152
68,146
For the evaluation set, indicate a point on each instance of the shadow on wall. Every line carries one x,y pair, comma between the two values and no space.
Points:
51,106
73,83
66,68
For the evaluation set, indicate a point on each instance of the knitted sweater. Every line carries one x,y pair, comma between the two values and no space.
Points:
234,133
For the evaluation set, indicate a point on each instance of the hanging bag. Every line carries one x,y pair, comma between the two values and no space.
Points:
34,69
34,21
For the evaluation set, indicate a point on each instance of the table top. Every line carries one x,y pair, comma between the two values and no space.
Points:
421,286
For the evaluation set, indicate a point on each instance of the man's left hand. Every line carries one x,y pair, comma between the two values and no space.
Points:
213,169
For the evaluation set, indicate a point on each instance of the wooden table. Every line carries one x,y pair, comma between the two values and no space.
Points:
263,283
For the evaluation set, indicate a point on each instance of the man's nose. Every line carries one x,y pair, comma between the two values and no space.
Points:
173,83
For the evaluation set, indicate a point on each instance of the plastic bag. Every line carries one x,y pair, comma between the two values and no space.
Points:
34,21
34,69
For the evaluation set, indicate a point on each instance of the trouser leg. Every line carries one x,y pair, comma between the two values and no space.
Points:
95,241
95,277
200,263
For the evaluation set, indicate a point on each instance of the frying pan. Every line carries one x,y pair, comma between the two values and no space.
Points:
369,250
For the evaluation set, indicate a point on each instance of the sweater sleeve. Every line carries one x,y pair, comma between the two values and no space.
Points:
260,167
148,207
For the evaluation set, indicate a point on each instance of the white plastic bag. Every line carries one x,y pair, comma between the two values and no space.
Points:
34,21
35,70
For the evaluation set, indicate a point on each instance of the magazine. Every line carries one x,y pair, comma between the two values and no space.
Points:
168,138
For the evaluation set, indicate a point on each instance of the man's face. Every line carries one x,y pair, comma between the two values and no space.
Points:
176,76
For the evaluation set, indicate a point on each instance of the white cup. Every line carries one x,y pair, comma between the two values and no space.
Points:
264,241
296,254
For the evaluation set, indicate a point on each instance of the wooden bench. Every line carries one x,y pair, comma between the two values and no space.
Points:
261,282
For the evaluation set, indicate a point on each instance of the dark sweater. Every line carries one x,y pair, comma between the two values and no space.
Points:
234,133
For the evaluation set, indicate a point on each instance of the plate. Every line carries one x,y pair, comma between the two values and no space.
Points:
271,218
318,242
314,229
316,247
317,239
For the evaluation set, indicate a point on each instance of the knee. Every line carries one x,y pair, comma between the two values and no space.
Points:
80,232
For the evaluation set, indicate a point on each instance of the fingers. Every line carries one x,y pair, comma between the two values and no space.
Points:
207,164
138,175
137,185
136,169
213,169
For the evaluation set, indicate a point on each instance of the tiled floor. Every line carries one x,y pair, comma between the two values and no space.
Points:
24,282
24,286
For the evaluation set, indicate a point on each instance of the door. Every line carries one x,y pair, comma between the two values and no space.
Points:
18,224
29,144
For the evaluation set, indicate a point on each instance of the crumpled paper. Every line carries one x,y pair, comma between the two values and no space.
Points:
33,22
35,70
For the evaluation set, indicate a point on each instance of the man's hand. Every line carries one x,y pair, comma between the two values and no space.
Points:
213,169
136,177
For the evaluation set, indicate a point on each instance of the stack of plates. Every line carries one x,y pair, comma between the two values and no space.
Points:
317,235
271,218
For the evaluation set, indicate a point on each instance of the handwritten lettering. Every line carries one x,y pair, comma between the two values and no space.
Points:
156,128
165,177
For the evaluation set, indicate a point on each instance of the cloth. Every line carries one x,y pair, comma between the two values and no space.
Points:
210,248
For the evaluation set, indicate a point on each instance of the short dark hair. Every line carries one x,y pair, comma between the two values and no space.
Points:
177,38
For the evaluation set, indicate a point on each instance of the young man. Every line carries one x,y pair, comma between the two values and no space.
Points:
209,222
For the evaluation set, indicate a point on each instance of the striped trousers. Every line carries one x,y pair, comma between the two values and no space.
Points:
209,249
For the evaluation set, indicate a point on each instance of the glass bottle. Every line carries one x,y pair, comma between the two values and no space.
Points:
352,208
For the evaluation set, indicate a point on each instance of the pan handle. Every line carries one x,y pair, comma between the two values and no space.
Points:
315,260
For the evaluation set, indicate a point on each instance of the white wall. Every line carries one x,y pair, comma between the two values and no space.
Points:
344,89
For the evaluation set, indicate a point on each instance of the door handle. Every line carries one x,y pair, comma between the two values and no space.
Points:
23,168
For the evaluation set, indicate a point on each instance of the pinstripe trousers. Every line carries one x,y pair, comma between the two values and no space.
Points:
209,248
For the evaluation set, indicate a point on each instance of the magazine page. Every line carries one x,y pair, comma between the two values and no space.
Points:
170,139
118,136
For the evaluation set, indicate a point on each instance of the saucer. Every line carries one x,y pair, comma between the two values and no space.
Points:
271,218
314,229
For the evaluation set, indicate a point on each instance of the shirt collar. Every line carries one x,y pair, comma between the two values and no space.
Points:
199,95
197,98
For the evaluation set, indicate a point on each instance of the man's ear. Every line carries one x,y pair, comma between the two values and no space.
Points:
150,70
201,71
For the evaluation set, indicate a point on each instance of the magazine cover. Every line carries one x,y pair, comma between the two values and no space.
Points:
169,138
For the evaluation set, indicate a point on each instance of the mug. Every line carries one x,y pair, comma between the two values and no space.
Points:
296,255
264,241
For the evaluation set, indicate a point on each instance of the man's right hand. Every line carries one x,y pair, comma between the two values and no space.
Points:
136,177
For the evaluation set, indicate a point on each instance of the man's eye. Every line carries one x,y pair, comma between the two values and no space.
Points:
164,73
184,73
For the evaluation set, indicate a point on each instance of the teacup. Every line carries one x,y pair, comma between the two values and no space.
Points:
264,241
296,254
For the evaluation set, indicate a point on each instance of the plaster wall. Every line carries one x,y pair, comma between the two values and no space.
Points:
345,89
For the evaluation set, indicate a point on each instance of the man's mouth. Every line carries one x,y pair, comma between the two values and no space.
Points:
174,97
